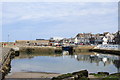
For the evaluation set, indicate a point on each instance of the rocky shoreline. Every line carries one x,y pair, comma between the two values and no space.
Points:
79,75
85,75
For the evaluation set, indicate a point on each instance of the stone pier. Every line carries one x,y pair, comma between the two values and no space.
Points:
6,54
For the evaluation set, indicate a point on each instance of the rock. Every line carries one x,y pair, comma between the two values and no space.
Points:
103,73
63,76
73,76
17,53
115,74
81,73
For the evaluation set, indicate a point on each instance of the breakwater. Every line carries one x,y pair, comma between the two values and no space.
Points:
43,50
7,54
51,49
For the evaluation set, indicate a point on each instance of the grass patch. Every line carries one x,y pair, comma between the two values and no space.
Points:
115,76
98,75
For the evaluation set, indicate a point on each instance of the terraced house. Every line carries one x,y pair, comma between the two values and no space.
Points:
88,38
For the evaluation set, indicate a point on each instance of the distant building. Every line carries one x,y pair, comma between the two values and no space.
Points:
56,38
110,38
40,39
65,40
83,38
99,38
88,38
105,41
110,41
55,41
32,42
71,40
117,38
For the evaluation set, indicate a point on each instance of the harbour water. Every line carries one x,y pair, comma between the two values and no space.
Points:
59,63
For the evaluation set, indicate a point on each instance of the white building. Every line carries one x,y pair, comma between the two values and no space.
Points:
105,40
56,38
108,39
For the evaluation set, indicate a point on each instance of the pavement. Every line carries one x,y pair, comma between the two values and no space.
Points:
34,75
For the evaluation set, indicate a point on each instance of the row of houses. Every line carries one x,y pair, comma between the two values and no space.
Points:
89,38
79,39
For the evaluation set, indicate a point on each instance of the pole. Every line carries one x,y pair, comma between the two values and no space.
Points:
8,37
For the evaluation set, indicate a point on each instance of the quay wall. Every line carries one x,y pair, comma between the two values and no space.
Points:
30,49
50,49
116,52
5,65
108,48
84,48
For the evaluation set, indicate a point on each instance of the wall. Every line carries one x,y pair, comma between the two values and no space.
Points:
109,47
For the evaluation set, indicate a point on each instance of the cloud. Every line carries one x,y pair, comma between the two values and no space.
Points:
14,12
0,22
59,0
39,19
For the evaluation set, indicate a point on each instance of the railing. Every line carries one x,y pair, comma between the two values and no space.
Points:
108,47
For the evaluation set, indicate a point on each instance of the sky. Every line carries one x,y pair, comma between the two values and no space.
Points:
31,20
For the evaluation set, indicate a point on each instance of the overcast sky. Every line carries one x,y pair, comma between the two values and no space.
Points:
31,20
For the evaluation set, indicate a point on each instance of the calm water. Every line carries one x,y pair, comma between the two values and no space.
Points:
93,62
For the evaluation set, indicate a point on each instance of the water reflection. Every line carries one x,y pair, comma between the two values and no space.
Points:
117,64
106,59
64,63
